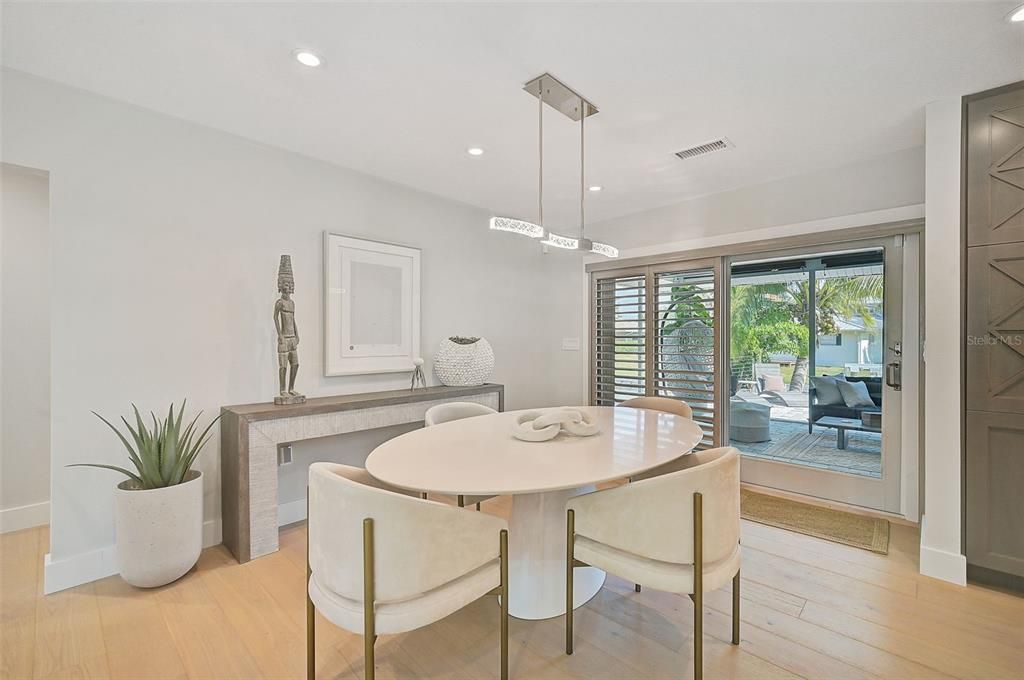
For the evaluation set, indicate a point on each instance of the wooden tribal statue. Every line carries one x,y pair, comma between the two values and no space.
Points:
287,335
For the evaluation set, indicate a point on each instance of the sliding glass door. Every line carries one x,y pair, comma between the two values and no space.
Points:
810,406
793,356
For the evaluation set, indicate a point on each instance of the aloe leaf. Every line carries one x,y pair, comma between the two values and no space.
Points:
149,470
186,446
142,465
194,455
189,434
159,432
145,440
131,452
169,453
111,467
194,451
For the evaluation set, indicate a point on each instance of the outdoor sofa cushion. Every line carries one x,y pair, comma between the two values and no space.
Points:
826,390
855,394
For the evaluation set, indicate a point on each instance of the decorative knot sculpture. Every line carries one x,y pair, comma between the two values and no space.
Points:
541,426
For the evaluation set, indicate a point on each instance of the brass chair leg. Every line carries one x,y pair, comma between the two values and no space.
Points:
698,586
570,558
504,603
369,624
310,609
736,608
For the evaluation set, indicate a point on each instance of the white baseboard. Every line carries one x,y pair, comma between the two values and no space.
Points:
24,517
92,566
78,569
291,512
944,565
212,533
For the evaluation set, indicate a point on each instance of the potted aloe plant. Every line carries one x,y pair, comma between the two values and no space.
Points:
159,508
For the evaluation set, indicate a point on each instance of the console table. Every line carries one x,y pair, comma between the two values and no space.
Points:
250,435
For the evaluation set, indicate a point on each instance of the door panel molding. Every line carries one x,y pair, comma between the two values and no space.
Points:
995,477
995,328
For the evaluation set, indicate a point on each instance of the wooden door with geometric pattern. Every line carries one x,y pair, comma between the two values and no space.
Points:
995,168
994,362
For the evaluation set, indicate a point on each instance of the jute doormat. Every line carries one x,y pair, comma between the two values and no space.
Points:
869,533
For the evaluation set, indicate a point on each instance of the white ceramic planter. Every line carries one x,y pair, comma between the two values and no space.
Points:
462,362
159,531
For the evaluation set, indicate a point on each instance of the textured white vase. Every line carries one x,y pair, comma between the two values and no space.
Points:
159,531
462,362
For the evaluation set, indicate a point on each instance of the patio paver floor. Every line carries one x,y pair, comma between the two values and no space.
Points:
792,443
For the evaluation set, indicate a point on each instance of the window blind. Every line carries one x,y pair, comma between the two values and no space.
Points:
684,343
620,339
655,334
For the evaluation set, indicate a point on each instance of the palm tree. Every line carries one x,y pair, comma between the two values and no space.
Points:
771,318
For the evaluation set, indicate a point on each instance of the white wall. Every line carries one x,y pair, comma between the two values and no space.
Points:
165,243
941,552
890,181
25,353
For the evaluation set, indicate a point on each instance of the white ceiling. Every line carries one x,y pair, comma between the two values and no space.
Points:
407,88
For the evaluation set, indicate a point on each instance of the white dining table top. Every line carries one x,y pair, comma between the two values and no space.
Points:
479,456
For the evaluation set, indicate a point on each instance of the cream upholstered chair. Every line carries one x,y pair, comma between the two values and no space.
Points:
665,405
678,532
420,560
457,410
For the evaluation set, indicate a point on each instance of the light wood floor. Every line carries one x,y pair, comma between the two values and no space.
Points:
811,609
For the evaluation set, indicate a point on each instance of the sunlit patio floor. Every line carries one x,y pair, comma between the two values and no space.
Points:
792,443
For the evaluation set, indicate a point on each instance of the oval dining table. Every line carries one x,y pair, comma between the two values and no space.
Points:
478,456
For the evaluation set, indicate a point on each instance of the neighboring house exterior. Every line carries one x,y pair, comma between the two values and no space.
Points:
856,345
858,348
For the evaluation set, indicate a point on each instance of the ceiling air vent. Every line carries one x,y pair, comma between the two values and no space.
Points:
720,144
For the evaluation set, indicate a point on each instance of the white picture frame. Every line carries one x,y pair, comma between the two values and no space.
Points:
371,306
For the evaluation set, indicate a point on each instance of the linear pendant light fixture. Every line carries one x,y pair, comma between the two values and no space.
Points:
551,91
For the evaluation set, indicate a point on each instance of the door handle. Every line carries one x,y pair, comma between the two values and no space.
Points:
893,375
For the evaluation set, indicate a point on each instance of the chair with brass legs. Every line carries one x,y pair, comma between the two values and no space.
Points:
678,532
457,410
419,560
676,407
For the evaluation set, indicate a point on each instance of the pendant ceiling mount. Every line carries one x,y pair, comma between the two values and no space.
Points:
560,96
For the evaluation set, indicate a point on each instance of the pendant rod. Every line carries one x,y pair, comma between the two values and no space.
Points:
583,188
540,151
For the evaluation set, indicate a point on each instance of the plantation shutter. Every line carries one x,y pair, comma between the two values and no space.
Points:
619,360
685,342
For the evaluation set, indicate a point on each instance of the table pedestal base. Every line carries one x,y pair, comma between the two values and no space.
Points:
537,557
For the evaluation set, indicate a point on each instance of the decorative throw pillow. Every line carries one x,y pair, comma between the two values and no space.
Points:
826,391
855,394
773,383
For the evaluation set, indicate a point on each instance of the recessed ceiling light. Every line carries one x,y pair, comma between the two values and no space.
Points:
475,151
596,188
1016,14
307,58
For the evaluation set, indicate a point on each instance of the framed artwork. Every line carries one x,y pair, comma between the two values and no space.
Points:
371,306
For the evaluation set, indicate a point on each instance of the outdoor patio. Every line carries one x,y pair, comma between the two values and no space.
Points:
792,443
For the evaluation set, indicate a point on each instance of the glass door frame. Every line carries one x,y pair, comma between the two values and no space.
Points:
882,493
